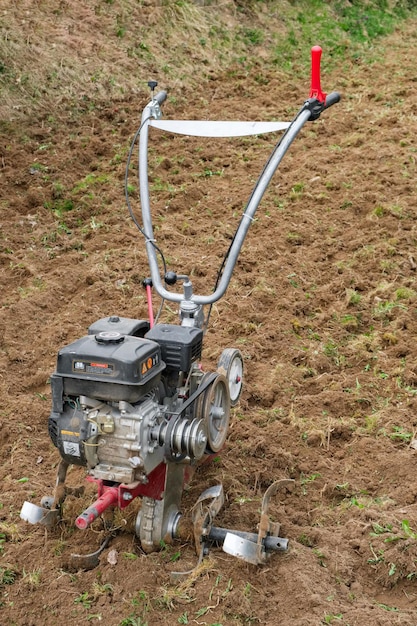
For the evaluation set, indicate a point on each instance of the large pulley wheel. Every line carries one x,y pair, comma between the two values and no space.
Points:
213,406
231,366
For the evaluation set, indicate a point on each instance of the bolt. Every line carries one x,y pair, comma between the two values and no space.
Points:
127,496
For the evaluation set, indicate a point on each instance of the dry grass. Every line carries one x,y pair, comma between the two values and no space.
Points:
69,52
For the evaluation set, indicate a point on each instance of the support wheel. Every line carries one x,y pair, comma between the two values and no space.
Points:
231,366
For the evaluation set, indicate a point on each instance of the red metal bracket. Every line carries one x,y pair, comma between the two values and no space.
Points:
121,495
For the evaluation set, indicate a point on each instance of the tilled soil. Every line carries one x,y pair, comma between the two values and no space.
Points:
322,305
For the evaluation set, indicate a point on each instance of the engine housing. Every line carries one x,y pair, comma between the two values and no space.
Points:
116,402
109,366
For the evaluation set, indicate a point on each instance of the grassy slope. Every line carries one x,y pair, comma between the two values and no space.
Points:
52,56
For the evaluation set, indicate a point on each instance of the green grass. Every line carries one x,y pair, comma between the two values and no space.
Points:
186,36
344,30
8,575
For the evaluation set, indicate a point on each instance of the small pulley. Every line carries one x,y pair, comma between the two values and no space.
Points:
181,437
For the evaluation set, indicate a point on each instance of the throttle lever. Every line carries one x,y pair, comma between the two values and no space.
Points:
318,101
315,87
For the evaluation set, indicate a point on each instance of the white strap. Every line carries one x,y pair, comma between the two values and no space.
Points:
201,128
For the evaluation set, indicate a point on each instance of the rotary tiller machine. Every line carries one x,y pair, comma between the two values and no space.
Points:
130,401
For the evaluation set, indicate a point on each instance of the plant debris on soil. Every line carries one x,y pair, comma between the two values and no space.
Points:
322,305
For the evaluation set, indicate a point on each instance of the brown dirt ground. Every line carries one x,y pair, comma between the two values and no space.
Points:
322,304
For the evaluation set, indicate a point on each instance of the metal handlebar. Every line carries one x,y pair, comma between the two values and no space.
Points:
311,109
245,222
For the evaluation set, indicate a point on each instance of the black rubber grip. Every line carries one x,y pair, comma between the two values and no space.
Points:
332,98
161,96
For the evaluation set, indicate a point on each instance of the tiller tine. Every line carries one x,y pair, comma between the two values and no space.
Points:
35,514
50,511
90,561
204,511
257,549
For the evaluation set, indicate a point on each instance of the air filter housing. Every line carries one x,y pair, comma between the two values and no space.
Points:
180,345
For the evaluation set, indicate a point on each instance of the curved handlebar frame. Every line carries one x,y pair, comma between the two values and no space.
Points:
310,110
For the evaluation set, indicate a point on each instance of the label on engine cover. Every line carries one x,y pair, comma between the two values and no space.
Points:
91,367
148,364
71,448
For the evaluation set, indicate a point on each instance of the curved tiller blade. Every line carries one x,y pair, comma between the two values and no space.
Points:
204,511
259,549
35,514
241,548
90,561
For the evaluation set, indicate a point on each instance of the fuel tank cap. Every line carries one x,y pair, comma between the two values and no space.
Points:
109,336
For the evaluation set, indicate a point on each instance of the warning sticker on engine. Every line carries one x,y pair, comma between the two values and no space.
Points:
91,367
71,448
150,363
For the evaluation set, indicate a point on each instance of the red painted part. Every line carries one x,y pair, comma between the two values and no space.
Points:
108,498
121,495
154,487
315,88
150,308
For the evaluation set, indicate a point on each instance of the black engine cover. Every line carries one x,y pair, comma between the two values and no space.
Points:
109,366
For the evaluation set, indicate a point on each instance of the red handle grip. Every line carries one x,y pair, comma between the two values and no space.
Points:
315,88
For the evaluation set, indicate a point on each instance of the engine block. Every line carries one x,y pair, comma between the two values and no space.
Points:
116,406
